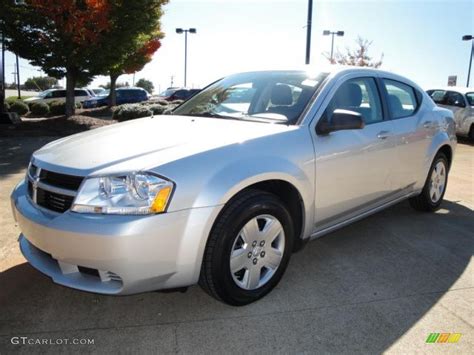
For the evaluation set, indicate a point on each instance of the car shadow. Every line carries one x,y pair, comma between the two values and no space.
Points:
16,153
466,141
358,289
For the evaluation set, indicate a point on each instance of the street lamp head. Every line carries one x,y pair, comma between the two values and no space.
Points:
467,37
179,30
340,33
326,33
192,30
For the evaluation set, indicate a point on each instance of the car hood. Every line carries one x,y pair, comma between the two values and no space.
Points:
147,143
31,99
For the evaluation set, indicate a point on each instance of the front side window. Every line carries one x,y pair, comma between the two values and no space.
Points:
359,95
273,97
80,93
401,99
59,93
454,99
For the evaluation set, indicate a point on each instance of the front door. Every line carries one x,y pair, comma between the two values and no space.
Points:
353,167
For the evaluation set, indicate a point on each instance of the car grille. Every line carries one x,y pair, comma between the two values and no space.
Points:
52,190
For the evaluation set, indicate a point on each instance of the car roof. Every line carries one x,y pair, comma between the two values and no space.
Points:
336,70
130,88
460,89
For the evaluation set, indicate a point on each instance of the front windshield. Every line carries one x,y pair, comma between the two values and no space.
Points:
470,98
276,96
104,93
167,93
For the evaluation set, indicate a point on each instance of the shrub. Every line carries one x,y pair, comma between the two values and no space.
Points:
6,106
19,107
39,108
156,102
157,109
130,112
11,100
57,108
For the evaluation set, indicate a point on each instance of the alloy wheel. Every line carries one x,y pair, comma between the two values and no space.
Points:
257,252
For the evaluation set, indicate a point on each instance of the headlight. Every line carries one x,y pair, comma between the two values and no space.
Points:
133,194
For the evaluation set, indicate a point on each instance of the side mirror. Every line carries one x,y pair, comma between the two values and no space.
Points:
341,120
459,103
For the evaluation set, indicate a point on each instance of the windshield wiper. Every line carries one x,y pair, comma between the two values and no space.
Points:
210,114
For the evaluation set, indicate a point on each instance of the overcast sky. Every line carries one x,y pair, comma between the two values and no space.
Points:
420,39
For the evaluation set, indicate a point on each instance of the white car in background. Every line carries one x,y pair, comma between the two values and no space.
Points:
460,100
80,95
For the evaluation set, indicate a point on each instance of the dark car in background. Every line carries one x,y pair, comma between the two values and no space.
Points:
173,94
128,95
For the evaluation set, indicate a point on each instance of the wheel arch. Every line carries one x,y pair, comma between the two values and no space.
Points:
291,198
448,152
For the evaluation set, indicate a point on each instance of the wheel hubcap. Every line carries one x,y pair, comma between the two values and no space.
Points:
257,252
437,181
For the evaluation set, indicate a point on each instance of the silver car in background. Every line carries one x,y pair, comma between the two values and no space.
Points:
224,190
460,101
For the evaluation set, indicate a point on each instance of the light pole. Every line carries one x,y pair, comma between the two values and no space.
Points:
18,76
308,31
469,38
333,33
185,31
2,79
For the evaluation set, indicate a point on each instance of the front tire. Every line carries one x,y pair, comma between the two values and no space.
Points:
432,194
248,249
471,133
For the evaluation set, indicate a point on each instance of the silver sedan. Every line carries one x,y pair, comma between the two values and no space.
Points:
222,191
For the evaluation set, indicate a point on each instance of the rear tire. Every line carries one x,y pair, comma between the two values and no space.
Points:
248,248
432,194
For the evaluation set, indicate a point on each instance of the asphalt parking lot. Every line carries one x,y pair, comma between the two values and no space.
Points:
380,285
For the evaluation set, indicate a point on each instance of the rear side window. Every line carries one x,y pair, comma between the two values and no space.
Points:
401,99
438,96
470,98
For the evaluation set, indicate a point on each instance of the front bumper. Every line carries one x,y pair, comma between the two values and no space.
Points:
113,254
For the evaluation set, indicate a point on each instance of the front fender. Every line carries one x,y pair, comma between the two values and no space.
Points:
240,174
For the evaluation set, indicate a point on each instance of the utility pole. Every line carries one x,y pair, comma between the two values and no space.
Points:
308,31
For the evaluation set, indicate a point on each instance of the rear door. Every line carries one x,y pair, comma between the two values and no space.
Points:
56,95
353,167
412,128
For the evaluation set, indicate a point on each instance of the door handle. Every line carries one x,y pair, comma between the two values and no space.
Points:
383,134
428,124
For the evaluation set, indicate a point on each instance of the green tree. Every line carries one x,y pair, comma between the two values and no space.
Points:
40,83
359,56
145,84
135,60
78,39
58,36
117,85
